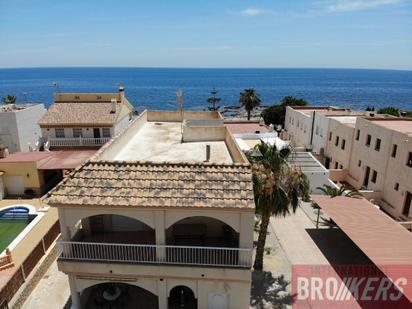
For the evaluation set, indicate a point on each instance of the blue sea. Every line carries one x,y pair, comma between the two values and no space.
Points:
156,88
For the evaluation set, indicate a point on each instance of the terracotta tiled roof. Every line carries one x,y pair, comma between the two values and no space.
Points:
82,113
147,184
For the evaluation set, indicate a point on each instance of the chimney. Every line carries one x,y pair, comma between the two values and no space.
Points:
121,92
207,153
114,106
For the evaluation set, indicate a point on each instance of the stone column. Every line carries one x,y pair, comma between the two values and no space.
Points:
64,229
162,294
76,304
246,235
160,233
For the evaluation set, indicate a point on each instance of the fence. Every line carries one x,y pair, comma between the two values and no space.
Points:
20,274
180,255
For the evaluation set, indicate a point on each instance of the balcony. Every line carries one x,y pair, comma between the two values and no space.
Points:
78,142
155,254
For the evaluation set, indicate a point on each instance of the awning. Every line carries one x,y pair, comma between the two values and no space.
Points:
66,160
384,241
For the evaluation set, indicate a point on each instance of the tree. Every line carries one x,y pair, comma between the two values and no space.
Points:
9,99
275,114
277,187
292,101
213,100
342,191
389,110
249,99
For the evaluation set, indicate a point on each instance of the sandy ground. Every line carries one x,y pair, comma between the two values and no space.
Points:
52,291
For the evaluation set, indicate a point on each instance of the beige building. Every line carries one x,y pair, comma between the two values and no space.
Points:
85,119
382,161
161,217
339,136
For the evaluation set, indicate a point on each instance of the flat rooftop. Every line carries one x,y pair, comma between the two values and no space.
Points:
348,120
400,125
162,142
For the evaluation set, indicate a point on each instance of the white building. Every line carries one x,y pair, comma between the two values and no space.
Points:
161,217
85,119
18,126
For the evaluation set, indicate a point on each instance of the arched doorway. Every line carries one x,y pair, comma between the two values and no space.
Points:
182,297
118,295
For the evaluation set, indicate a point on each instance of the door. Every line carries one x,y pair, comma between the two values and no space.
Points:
14,185
407,206
96,132
366,180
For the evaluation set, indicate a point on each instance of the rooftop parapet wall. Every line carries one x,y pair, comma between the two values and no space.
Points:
204,127
86,97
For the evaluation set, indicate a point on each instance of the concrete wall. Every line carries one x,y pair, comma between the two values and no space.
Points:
160,280
47,132
175,116
320,132
336,153
121,124
18,128
32,178
398,172
298,125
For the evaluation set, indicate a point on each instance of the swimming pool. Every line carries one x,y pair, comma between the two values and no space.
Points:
15,223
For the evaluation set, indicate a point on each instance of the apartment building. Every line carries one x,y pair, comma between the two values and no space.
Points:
161,217
338,148
85,119
382,161
307,126
18,126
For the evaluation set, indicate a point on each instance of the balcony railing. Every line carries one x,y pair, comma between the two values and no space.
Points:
78,141
177,255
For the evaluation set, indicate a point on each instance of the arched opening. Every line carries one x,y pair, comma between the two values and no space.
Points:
182,297
111,228
117,295
202,231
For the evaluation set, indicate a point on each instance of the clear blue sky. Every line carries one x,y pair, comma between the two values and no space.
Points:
194,33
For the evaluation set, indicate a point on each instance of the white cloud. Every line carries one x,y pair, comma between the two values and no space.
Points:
256,11
357,5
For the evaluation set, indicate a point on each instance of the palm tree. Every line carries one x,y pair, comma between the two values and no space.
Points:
213,100
9,99
277,186
333,191
249,99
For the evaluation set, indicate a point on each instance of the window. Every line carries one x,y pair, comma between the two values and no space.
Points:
368,140
337,141
378,144
77,132
321,132
59,132
336,165
409,163
341,166
76,97
330,136
396,188
317,130
343,144
374,176
106,132
394,149
359,163
357,134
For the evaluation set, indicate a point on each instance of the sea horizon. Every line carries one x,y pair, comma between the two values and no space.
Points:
155,88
